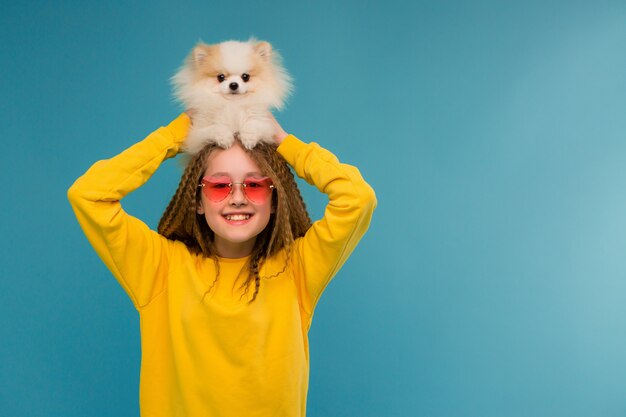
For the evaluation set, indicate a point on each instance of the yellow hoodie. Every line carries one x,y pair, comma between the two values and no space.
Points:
220,356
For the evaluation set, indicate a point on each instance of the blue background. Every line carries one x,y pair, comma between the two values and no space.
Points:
493,279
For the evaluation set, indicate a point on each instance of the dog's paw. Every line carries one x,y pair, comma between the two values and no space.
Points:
222,136
249,139
199,137
256,131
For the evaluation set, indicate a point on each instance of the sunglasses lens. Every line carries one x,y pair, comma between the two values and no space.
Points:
216,189
257,190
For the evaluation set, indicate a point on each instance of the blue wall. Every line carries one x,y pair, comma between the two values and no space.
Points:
493,279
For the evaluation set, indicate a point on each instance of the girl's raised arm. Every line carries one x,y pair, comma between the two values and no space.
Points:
329,242
137,256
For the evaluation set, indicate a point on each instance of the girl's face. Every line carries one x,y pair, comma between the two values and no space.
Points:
236,220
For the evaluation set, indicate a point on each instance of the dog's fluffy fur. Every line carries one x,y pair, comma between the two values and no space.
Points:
231,87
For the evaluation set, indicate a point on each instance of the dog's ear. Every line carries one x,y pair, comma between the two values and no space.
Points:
264,49
200,53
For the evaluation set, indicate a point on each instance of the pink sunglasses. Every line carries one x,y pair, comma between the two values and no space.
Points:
257,190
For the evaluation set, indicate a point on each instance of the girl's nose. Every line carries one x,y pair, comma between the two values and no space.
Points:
237,196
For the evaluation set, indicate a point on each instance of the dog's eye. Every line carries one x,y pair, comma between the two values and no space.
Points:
245,77
221,77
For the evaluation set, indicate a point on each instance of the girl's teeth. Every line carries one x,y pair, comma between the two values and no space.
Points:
236,217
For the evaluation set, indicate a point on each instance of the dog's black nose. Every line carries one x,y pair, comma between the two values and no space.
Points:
233,86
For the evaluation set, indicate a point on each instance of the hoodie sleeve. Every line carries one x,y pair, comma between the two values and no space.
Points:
326,246
137,256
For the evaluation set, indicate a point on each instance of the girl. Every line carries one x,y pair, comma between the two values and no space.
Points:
227,289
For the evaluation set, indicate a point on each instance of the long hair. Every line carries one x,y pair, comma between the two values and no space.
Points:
290,220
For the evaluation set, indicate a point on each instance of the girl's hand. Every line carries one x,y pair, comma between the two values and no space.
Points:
279,132
191,113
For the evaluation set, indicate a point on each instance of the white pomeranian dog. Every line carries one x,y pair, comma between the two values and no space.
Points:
231,88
